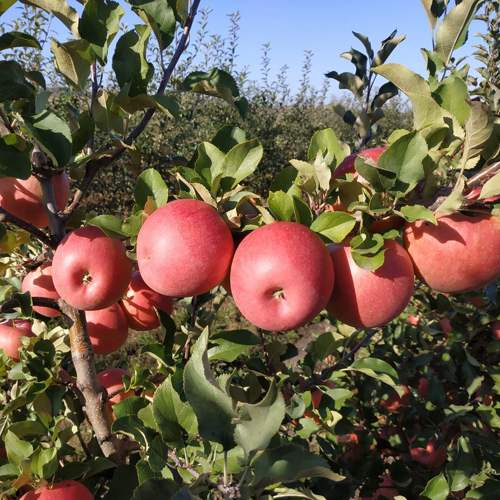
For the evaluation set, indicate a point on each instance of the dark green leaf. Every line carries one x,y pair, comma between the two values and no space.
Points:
334,226
14,157
44,462
388,45
129,61
386,92
348,81
241,161
359,60
155,489
17,449
82,135
452,95
13,83
366,42
281,205
13,39
227,137
129,406
151,186
73,60
232,344
213,407
53,135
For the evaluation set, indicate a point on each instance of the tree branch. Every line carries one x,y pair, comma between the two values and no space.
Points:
6,216
94,166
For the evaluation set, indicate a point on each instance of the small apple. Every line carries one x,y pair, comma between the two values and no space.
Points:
347,166
430,456
413,320
350,438
112,380
139,303
445,325
184,249
423,387
281,276
107,328
90,270
10,339
495,330
365,299
23,198
39,283
316,397
65,490
395,402
467,244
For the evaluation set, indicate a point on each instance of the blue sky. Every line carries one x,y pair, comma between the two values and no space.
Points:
322,26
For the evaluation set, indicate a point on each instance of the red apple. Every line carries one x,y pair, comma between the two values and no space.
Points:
316,397
347,166
139,305
184,249
112,380
495,330
90,270
108,329
385,490
445,325
10,339
413,320
473,194
394,402
460,254
423,387
65,490
429,456
350,438
281,276
39,283
23,198
23,324
365,299
386,224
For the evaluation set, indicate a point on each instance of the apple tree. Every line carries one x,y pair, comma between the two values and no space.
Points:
336,337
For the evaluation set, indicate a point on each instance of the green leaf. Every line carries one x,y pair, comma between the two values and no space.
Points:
334,226
227,137
430,10
359,60
302,212
388,45
17,450
5,4
130,406
99,24
478,130
463,466
348,81
14,157
210,165
366,42
453,95
412,213
451,32
426,110
232,344
213,407
491,187
110,224
73,60
155,488
60,9
370,262
258,423
376,365
325,143
436,488
44,462
13,84
82,135
150,186
241,161
454,200
129,61
281,205
289,463
404,158
107,115
53,135
132,426
160,16
13,39
217,83
172,415
386,92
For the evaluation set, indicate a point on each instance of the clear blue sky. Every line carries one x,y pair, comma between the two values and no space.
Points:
322,26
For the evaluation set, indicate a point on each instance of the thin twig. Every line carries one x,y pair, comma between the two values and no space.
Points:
6,216
94,166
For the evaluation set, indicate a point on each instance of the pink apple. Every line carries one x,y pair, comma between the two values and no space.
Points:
11,339
65,490
107,328
39,283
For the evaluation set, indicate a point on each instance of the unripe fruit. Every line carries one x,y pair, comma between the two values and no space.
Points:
184,249
366,299
107,328
39,283
90,270
112,380
281,276
468,247
23,198
347,166
139,305
65,490
10,339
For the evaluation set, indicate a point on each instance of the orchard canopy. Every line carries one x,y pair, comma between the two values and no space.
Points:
213,287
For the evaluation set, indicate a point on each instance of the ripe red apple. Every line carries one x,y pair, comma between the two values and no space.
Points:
350,438
112,380
347,166
423,387
495,330
460,254
10,339
386,224
65,490
413,320
281,276
184,249
316,397
394,402
23,198
23,324
107,328
90,270
39,283
429,456
139,303
365,299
